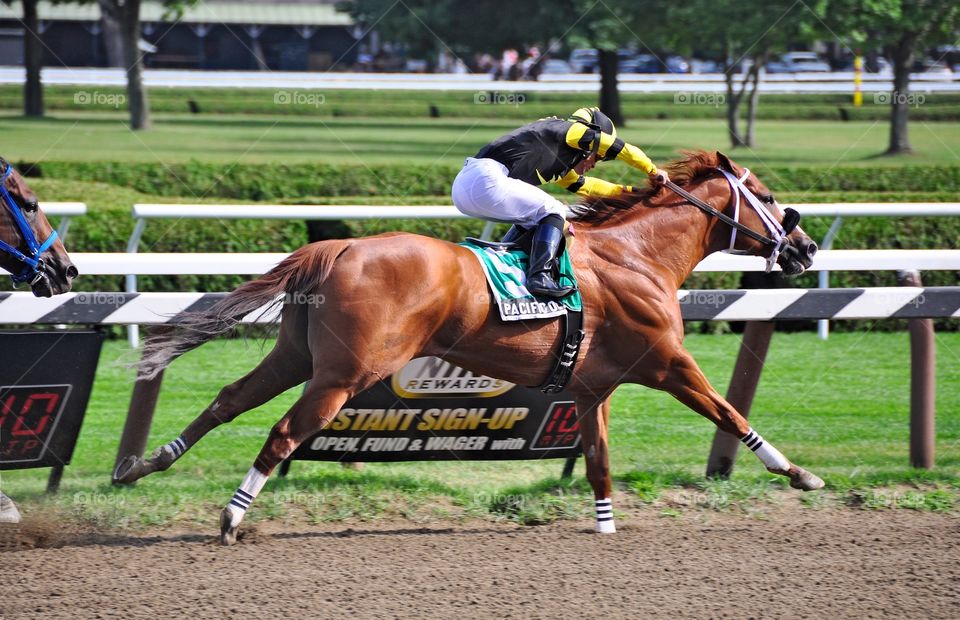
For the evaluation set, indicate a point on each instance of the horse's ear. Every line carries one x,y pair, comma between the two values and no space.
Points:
725,162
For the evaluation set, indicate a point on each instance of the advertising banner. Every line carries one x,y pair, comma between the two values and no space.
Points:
433,410
45,382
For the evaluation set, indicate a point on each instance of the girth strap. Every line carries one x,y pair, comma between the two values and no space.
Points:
571,335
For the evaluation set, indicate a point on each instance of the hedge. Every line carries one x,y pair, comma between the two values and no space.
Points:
270,181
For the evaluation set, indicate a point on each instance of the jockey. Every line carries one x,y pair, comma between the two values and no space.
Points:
500,183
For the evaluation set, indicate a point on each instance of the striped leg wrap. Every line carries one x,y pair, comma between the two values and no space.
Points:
752,440
246,493
771,457
241,499
178,446
605,523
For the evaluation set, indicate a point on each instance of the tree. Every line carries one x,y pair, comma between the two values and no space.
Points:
608,27
112,38
128,13
32,60
744,34
426,26
902,28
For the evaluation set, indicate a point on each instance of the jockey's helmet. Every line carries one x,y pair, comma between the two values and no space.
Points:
596,120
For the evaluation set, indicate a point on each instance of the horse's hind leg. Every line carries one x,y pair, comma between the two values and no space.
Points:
286,366
315,408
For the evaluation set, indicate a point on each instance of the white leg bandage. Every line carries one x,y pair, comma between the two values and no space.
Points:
246,493
770,456
178,446
8,510
605,516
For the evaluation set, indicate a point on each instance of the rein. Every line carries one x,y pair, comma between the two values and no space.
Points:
778,234
33,265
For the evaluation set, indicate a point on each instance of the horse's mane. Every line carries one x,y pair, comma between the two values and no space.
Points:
694,165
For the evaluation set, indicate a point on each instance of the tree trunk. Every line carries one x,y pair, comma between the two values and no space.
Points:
753,99
33,61
609,93
899,100
733,110
321,230
112,36
136,93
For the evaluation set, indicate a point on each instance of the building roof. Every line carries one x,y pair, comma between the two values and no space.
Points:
291,13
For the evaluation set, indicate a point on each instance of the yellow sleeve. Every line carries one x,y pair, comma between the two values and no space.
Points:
579,136
634,157
589,186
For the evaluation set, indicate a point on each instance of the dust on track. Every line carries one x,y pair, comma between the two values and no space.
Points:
793,562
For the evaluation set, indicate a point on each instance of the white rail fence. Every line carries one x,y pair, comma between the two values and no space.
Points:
142,213
66,211
826,82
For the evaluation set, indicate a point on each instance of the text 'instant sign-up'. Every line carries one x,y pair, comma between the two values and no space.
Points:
433,410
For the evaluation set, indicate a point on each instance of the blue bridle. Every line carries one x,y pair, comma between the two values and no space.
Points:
32,263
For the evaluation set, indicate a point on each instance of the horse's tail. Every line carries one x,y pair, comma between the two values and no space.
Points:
301,272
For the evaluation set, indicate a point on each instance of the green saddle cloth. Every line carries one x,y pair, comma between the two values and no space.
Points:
506,274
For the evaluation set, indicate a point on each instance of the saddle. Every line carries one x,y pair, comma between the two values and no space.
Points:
571,324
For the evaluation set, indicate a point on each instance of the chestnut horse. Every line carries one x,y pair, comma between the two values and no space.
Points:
31,252
394,297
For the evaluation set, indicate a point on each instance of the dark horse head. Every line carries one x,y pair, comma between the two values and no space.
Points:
29,247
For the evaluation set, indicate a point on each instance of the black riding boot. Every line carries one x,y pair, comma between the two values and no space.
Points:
543,258
513,234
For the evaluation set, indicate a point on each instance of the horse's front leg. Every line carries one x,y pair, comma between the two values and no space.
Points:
686,382
594,413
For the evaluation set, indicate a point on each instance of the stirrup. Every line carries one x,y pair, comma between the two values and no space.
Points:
542,283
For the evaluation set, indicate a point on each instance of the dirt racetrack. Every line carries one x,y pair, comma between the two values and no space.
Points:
798,563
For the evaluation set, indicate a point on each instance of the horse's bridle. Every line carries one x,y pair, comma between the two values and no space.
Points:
778,232
32,263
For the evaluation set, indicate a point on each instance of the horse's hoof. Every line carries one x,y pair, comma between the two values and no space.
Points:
162,458
805,481
129,470
228,531
8,510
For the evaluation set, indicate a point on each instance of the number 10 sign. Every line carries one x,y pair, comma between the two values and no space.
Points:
45,382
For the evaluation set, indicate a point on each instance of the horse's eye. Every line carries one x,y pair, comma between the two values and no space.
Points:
768,198
31,206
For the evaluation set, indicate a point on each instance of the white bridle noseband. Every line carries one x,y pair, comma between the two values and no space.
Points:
773,227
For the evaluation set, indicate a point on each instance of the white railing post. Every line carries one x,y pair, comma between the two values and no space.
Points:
487,231
823,278
133,244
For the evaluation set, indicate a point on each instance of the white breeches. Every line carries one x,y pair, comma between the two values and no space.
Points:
482,189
